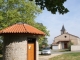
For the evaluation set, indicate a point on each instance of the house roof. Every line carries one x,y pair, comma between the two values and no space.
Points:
68,34
21,28
54,44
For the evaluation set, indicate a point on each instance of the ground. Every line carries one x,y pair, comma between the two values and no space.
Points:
55,54
59,56
67,56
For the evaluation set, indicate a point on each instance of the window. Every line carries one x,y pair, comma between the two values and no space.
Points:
65,36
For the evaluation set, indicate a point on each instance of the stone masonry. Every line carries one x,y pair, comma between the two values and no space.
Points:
16,51
15,48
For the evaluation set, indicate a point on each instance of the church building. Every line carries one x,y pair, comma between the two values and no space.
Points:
61,41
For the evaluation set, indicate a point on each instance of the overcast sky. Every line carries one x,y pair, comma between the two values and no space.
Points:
54,23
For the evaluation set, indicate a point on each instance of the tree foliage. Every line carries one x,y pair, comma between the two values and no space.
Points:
44,43
41,27
14,11
69,45
52,5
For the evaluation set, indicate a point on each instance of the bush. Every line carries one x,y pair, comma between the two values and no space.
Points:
69,45
0,51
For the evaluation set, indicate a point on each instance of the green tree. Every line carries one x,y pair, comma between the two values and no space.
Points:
43,28
13,11
69,45
52,5
43,42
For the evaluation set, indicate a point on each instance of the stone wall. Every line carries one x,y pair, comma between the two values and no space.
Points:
15,47
16,51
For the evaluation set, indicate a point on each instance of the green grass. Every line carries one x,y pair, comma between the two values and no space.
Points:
68,56
63,50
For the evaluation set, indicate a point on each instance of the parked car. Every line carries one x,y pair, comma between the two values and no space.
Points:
46,51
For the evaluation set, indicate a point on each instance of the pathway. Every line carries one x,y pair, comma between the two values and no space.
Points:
46,57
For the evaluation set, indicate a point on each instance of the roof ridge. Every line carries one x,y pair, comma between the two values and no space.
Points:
66,33
72,35
24,27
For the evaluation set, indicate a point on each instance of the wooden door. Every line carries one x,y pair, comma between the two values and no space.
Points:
65,45
31,51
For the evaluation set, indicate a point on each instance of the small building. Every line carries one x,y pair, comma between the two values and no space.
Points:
21,42
61,41
55,46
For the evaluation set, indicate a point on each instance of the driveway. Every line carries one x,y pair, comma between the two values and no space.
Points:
46,57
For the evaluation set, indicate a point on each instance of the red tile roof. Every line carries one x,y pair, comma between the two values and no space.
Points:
21,28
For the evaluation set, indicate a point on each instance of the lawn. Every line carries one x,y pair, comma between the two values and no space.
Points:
67,56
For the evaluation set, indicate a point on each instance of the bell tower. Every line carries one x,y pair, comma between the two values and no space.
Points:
63,30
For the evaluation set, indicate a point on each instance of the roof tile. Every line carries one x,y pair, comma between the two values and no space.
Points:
21,28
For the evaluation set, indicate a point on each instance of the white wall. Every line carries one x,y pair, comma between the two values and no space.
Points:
55,47
37,50
78,41
75,47
60,45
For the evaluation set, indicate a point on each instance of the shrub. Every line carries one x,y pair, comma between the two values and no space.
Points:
69,45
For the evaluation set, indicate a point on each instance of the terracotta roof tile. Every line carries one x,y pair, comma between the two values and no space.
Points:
21,28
